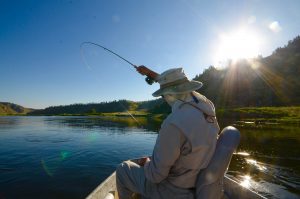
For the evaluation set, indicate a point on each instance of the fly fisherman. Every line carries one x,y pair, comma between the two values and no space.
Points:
185,144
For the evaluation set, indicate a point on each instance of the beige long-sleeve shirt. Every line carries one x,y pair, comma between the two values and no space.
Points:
185,144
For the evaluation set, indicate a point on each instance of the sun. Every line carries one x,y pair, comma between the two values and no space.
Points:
242,43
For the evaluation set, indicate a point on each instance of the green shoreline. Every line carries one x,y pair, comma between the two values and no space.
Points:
282,115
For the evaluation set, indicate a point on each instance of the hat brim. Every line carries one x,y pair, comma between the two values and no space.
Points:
182,88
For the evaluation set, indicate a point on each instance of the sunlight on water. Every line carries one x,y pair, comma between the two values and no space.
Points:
242,153
246,181
265,177
256,164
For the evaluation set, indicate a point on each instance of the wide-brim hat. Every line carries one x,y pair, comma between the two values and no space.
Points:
174,81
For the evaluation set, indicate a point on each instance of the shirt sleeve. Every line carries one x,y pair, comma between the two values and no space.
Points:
165,153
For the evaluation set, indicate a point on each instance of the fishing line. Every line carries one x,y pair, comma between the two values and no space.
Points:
148,79
117,55
104,48
131,115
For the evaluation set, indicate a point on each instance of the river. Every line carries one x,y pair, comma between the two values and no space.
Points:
67,157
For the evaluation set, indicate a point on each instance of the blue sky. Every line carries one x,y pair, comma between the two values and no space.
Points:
41,64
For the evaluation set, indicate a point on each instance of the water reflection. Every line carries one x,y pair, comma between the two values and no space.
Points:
120,122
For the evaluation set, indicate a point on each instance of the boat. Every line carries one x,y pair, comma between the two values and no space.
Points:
232,190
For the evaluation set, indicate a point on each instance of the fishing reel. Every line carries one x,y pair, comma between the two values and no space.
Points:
149,80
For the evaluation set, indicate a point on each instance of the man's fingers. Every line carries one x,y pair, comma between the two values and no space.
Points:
142,70
142,161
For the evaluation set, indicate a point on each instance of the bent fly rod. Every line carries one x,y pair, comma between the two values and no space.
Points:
148,79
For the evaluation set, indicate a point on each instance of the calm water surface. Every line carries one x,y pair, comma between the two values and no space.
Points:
67,157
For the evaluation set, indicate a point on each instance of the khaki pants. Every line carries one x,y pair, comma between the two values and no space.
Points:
131,179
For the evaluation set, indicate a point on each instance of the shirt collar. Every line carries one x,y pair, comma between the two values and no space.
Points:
177,104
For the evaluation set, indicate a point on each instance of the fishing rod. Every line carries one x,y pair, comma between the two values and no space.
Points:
148,79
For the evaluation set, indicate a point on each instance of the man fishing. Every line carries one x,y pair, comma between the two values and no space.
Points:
185,144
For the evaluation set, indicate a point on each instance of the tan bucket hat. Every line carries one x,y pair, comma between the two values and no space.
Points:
174,81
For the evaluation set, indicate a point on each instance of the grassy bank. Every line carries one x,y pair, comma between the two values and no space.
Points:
113,114
261,114
2,114
284,115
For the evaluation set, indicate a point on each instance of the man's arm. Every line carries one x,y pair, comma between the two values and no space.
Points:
165,153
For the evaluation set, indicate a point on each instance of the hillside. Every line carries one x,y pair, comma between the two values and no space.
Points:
7,108
152,106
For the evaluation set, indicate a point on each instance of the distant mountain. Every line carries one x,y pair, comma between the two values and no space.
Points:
7,108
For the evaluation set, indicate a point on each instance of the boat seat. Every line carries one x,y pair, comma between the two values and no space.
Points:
209,184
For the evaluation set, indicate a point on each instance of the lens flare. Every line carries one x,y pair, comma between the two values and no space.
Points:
64,155
46,168
275,27
50,166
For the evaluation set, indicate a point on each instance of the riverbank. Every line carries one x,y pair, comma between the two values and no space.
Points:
249,115
261,115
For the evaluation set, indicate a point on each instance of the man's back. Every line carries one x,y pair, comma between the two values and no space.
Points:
185,144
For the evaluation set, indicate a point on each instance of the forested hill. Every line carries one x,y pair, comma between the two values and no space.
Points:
7,108
152,106
269,81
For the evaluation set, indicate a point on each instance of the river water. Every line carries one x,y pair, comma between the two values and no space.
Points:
67,157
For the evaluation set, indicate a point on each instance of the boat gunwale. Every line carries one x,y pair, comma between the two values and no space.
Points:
229,185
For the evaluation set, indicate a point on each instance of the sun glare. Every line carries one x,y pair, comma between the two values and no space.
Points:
239,44
246,181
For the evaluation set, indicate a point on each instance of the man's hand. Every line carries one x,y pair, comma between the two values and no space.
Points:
142,161
143,70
